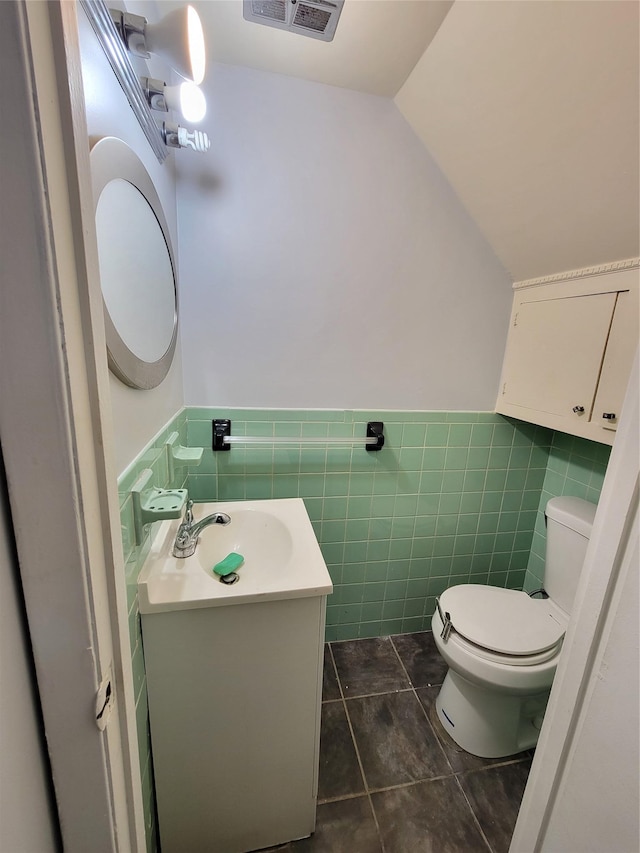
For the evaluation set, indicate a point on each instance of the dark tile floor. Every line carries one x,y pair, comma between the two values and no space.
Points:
391,779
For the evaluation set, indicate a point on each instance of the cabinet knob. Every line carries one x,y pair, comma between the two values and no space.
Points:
609,416
578,409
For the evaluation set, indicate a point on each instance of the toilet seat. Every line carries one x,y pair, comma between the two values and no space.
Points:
504,625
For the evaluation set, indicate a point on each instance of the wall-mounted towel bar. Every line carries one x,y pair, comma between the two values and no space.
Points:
222,438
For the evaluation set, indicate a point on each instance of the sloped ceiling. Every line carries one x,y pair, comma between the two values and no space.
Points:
530,107
531,110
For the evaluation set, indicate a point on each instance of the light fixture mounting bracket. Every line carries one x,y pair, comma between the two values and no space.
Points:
111,42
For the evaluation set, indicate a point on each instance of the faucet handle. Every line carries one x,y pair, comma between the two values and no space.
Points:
188,513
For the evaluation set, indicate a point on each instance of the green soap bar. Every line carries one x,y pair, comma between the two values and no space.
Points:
230,563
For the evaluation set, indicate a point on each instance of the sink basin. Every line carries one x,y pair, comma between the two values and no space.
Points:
282,559
263,539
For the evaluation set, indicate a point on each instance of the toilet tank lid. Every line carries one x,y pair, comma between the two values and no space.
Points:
574,513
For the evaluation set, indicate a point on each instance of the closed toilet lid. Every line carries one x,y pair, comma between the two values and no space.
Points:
506,621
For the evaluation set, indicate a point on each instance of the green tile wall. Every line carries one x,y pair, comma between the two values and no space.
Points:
451,498
576,467
166,476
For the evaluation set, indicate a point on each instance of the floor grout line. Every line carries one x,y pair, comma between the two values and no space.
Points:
357,751
442,749
401,785
348,698
475,816
492,766
424,710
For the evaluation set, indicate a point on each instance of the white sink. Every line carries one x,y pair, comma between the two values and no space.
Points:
263,539
282,559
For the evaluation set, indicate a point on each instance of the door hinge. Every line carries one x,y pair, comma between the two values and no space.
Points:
504,389
105,700
515,319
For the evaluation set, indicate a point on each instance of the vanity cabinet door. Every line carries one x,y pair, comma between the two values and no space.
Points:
621,347
555,353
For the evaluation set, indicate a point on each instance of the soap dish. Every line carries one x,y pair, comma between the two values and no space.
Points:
151,504
179,455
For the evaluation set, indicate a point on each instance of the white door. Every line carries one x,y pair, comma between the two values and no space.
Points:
621,346
50,428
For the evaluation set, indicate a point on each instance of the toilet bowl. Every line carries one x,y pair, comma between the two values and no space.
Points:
500,675
502,646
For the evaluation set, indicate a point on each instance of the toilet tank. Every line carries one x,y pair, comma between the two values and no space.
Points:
569,523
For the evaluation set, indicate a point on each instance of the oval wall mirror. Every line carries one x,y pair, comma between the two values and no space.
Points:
137,267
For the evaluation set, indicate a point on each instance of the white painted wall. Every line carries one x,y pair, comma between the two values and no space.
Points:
27,814
532,111
137,415
326,261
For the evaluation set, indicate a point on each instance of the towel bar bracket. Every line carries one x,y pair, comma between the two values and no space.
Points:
375,429
221,429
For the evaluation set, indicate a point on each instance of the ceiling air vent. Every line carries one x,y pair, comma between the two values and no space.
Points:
315,18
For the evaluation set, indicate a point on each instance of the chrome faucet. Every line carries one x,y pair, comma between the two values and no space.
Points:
189,530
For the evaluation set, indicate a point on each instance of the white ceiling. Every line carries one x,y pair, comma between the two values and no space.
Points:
376,45
531,108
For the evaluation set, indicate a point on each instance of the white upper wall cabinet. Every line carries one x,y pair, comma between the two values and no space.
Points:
569,352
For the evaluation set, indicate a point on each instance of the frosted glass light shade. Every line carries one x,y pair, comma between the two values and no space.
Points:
179,39
188,99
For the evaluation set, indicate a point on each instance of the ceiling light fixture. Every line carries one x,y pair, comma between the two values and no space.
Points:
178,38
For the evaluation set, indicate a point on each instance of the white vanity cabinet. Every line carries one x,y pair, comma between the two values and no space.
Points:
234,708
234,678
569,352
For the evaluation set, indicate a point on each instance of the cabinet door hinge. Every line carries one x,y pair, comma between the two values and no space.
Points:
504,389
515,319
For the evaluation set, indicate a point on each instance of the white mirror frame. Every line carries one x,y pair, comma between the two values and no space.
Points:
112,159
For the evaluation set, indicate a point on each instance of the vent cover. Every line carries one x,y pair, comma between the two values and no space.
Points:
315,18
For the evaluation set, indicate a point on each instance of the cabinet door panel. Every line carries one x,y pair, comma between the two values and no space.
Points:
621,347
555,353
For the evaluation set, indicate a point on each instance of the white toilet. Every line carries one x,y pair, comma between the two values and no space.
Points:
502,646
